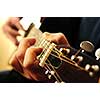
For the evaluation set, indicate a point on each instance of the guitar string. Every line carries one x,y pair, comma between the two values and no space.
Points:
54,74
55,56
57,51
60,54
54,70
47,45
56,77
69,62
66,59
42,43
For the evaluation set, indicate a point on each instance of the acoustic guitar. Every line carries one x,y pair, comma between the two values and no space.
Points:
65,64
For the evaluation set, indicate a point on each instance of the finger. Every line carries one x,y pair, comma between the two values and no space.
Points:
10,30
15,21
17,58
57,38
31,57
13,39
31,64
36,74
60,39
19,26
24,44
15,62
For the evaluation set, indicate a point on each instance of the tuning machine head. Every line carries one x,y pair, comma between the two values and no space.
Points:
65,51
87,46
97,54
92,69
84,46
50,73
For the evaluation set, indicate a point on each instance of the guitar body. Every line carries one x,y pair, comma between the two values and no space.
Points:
73,73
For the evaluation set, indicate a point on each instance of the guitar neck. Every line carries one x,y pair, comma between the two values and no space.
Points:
33,32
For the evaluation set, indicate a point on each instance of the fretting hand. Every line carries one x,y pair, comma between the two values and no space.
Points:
25,58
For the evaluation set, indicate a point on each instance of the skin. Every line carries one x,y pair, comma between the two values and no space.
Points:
11,28
25,58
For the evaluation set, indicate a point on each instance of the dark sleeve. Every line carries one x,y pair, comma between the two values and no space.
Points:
67,25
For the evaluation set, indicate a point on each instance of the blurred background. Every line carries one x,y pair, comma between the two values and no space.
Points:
6,48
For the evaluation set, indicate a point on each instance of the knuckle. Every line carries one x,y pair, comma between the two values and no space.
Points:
61,35
19,55
30,51
24,43
27,42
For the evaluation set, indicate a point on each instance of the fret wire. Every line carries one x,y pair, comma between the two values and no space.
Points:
45,45
41,42
42,39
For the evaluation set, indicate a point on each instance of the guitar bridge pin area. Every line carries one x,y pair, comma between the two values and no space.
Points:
46,55
77,59
65,51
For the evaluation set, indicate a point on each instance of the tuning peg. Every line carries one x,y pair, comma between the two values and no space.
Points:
87,46
49,76
65,51
97,54
47,71
52,72
59,82
91,74
87,67
95,68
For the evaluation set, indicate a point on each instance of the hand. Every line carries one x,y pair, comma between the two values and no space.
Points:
25,59
11,28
